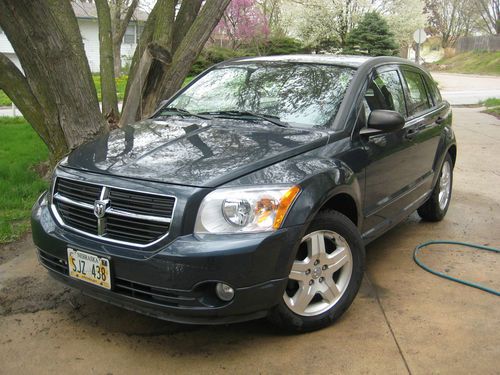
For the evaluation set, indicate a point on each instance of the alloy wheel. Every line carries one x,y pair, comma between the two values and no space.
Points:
320,274
444,185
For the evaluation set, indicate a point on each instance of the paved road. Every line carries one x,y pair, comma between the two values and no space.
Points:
403,320
460,89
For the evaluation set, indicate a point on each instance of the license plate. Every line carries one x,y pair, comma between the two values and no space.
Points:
89,268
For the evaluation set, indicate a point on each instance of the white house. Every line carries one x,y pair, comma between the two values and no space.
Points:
86,15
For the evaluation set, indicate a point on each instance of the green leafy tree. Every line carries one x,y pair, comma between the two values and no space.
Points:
372,37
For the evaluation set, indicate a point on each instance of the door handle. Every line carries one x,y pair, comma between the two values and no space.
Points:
410,133
440,120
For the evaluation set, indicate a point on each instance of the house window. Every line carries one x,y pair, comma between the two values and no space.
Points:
129,37
140,29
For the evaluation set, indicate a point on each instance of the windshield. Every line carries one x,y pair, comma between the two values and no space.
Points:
303,95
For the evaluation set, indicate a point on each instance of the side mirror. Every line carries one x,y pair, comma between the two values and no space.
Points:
383,121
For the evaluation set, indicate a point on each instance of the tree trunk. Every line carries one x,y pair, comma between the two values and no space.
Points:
185,55
162,80
160,30
146,37
120,18
56,92
117,57
108,83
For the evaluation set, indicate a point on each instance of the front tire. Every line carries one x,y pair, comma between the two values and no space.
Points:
435,208
325,276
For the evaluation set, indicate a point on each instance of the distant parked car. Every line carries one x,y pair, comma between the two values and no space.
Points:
252,192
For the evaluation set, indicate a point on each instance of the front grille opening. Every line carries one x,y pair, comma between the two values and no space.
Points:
142,204
77,190
53,263
78,217
141,231
154,294
143,292
130,217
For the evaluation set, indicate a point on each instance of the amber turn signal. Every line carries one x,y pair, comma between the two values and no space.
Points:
285,203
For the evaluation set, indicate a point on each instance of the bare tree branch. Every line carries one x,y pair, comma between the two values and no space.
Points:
15,85
121,27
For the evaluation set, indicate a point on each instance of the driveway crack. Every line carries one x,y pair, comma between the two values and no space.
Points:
374,288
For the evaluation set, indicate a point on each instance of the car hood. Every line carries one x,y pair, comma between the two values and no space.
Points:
196,153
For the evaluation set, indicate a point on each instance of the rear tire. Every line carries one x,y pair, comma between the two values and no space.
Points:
325,276
435,208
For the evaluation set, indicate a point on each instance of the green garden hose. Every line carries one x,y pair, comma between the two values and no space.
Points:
440,274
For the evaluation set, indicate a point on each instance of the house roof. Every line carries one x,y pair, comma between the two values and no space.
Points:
85,9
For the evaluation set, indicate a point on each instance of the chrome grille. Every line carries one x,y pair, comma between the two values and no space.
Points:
143,204
78,217
112,214
79,191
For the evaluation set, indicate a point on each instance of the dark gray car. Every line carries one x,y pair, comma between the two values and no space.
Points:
252,192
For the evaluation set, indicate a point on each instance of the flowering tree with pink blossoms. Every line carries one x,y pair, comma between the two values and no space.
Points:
243,22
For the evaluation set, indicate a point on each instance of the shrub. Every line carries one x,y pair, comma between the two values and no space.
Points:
281,46
213,55
372,37
276,46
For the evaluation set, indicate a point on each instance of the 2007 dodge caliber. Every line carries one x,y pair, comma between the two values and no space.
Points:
252,191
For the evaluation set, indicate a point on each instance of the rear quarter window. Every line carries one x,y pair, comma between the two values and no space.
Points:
434,91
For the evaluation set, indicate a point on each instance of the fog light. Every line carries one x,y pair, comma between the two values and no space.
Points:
224,292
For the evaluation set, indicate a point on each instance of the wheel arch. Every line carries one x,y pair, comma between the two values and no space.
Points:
452,150
345,204
337,189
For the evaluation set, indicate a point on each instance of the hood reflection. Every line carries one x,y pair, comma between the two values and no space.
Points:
197,153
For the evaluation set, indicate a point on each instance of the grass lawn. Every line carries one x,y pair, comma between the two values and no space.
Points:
471,62
492,106
20,149
121,83
4,99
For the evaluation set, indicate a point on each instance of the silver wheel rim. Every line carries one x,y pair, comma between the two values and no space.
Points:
320,275
444,185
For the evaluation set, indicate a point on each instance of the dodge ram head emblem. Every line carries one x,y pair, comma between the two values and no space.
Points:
100,208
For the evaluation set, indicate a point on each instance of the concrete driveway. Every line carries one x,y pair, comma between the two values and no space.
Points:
404,319
465,89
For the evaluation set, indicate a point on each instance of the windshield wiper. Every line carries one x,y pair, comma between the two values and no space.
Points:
182,112
269,118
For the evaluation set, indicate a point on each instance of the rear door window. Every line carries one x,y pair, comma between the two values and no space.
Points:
418,98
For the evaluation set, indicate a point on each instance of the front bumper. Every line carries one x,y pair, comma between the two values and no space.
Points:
176,281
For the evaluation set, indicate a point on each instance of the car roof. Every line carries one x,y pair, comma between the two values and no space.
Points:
353,61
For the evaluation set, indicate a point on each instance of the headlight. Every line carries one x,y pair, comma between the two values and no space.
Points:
237,210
